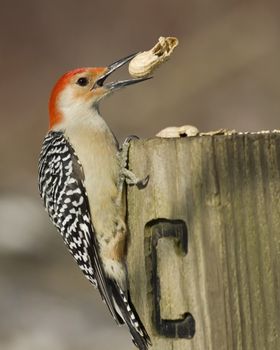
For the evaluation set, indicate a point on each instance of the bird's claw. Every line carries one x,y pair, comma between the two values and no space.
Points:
131,179
127,175
129,138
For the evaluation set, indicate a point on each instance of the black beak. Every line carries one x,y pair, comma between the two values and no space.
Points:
117,84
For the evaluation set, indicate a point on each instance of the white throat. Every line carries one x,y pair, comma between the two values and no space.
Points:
78,113
79,116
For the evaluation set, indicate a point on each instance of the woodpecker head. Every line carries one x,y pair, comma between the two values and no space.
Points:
80,90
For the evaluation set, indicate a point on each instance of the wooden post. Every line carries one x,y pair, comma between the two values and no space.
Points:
204,248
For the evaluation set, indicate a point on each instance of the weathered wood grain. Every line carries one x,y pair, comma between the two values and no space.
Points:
227,191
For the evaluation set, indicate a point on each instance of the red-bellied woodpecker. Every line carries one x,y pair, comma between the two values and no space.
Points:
80,182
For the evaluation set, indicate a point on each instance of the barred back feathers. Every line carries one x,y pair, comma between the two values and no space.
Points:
61,186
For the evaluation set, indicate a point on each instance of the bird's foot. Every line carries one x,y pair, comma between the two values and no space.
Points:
123,153
133,180
127,175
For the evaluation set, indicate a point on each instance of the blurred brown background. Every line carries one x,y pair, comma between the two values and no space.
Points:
225,73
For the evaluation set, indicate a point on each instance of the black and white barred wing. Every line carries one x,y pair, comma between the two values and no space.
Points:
62,190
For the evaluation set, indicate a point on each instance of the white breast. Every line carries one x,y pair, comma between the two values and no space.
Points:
97,150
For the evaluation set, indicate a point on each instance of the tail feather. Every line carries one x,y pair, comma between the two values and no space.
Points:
127,311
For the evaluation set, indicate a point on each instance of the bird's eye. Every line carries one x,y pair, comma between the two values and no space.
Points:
82,81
